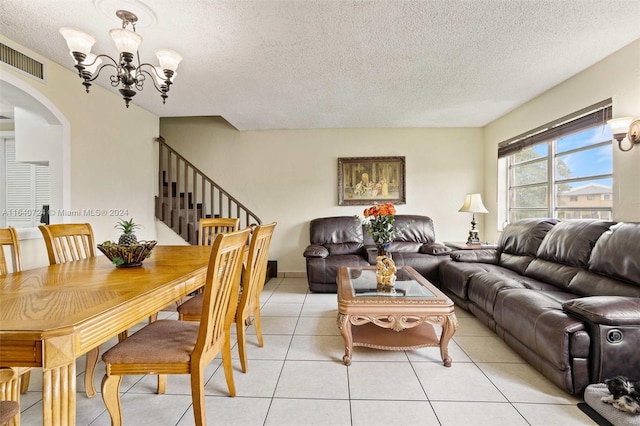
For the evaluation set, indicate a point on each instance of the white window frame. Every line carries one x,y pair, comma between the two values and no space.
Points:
538,135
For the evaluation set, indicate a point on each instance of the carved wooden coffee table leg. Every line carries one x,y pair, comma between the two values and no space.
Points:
448,329
344,325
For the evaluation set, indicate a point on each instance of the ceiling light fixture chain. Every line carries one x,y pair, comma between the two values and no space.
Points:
126,73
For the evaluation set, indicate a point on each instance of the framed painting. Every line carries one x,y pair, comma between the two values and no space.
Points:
365,180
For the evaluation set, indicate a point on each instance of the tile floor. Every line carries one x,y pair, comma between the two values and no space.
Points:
298,378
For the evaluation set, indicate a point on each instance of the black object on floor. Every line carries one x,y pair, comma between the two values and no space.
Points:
593,414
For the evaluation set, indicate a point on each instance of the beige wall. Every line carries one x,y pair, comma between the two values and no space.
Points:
616,77
109,154
290,176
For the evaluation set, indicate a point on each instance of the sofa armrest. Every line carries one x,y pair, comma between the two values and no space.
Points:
491,256
435,249
315,250
605,310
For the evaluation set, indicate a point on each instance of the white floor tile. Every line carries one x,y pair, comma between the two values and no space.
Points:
309,412
396,413
313,379
477,414
298,378
387,380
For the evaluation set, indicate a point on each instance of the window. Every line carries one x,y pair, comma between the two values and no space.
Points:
563,170
25,189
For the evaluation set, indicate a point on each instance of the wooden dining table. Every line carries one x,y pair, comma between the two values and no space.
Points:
50,316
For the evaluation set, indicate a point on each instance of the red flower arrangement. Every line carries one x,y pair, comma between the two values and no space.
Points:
379,220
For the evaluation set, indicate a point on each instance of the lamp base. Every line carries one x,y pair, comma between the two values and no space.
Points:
473,234
473,238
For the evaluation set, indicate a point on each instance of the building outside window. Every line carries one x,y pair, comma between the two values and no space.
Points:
563,170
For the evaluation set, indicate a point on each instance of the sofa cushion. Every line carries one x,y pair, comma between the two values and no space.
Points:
344,248
435,249
617,253
565,250
587,283
335,230
484,287
520,240
405,247
315,250
536,320
570,242
415,229
524,236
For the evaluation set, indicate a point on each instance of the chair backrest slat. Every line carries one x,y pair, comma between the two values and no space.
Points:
209,228
221,287
9,239
256,270
68,242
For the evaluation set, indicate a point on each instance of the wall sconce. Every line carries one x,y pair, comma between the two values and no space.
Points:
473,204
625,126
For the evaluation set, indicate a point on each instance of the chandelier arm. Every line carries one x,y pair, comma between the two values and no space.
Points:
97,73
153,76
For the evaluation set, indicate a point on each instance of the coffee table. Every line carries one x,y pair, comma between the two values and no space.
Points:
402,320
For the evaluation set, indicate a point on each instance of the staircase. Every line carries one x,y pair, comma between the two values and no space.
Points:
185,195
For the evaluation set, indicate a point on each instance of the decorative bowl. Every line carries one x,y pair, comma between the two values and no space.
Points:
127,255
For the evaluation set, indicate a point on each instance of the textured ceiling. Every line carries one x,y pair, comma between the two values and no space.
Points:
287,64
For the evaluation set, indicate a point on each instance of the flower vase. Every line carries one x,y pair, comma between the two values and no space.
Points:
383,249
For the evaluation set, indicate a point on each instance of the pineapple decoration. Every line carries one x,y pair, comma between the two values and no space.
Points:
129,251
127,227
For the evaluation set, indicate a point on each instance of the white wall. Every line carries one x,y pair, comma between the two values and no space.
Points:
108,153
616,77
290,176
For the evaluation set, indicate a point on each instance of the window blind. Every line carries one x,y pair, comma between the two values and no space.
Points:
27,189
594,115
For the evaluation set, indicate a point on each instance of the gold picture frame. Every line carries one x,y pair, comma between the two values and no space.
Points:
365,180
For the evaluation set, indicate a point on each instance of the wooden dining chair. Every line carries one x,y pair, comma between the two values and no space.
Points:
68,242
9,242
252,284
9,239
181,347
9,397
208,228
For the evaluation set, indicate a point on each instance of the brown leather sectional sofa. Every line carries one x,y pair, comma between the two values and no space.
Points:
564,295
342,241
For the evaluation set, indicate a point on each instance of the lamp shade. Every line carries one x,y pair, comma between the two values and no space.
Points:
169,59
160,77
620,125
473,204
126,41
77,41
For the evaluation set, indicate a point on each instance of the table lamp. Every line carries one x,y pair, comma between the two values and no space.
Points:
473,204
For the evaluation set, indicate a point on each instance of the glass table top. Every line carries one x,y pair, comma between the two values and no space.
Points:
363,284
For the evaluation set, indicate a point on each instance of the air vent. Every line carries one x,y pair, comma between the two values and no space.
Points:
21,61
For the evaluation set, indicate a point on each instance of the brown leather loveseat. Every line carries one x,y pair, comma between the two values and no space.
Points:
565,295
343,241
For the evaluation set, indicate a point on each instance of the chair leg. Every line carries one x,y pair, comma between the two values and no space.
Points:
111,398
197,396
24,385
226,363
242,343
258,326
91,361
162,383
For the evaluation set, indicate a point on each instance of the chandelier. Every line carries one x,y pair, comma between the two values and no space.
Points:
126,75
